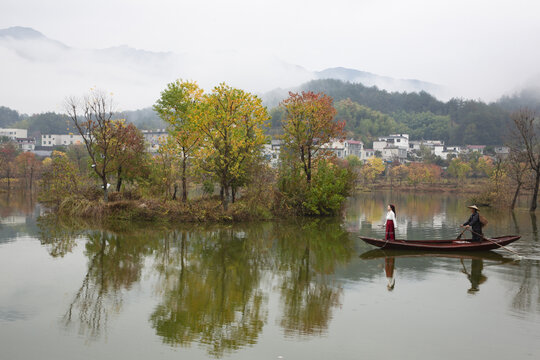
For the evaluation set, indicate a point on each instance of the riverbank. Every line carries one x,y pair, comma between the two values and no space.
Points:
470,187
164,211
210,209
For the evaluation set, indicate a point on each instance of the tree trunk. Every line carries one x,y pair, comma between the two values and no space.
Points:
233,192
221,193
31,178
105,190
534,226
119,179
535,191
309,167
184,180
515,197
175,191
226,197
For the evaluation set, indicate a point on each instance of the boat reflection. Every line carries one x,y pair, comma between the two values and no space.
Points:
474,275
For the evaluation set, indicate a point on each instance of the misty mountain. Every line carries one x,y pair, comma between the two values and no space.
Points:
526,98
39,72
382,82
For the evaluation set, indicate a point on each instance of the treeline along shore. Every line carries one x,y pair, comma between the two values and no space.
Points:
218,162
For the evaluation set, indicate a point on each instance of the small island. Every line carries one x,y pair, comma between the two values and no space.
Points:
224,157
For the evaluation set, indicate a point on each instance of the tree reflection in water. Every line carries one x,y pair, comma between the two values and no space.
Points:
212,283
59,238
115,263
210,288
307,256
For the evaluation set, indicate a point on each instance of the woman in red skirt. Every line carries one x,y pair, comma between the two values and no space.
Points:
390,223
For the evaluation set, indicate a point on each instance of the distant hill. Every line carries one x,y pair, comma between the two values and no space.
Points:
382,82
528,97
370,112
21,33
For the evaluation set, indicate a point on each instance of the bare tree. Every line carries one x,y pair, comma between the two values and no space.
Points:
517,166
93,117
526,139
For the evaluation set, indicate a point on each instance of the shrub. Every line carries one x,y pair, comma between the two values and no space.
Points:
325,195
60,179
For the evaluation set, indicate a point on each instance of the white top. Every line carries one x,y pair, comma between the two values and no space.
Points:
391,216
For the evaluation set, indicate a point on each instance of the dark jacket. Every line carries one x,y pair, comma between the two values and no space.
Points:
476,225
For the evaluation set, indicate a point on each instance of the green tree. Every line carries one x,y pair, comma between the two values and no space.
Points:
459,169
178,106
78,155
365,123
60,179
329,189
8,153
164,170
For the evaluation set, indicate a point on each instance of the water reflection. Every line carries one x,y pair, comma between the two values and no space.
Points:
473,271
18,214
115,263
389,263
534,226
527,294
209,286
210,291
306,257
213,283
475,274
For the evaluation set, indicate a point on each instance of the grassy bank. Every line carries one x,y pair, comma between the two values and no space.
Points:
166,211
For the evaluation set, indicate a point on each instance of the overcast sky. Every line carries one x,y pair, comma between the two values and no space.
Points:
481,47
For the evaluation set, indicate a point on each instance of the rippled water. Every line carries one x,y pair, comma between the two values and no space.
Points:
292,290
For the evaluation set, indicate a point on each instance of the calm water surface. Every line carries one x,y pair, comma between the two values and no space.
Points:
281,290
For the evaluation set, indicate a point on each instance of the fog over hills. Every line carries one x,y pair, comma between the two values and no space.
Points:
38,73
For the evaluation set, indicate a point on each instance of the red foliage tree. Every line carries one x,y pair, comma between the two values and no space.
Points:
308,125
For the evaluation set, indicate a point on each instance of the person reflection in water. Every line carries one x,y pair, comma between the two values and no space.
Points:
389,270
475,276
390,223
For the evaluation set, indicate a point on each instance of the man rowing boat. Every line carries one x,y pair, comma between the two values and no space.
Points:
474,223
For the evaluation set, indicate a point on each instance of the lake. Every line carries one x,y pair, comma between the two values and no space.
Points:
298,289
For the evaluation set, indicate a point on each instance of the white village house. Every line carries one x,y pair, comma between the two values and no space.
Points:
14,134
153,138
394,146
50,140
20,137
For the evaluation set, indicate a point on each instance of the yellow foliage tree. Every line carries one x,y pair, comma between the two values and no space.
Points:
373,167
231,125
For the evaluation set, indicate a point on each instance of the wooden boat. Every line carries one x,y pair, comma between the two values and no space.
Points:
443,245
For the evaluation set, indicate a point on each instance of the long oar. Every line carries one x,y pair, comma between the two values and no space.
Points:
494,242
461,234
